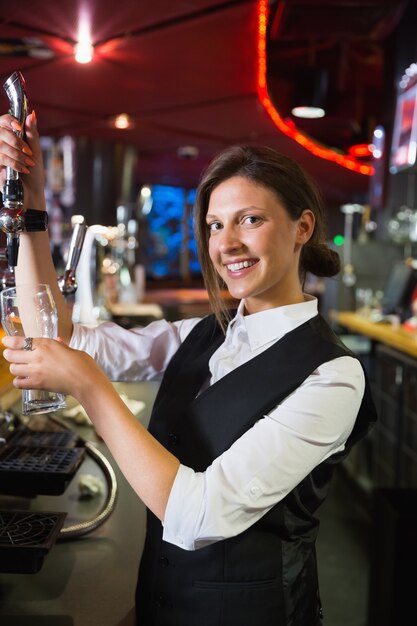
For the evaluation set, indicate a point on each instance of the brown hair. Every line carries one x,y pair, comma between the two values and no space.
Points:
294,189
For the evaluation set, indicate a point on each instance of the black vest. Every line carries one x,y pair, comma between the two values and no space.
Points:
266,575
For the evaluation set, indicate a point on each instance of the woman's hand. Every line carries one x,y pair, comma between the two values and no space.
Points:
53,366
24,157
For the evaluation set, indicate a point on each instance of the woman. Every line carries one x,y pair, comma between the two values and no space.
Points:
253,412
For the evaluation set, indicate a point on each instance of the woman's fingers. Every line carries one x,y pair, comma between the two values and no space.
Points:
20,360
52,365
24,157
14,152
16,342
19,370
32,136
44,366
17,356
29,366
13,157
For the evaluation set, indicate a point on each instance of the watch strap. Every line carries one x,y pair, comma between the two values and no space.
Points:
35,220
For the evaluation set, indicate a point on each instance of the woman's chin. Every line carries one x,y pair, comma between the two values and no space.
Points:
237,292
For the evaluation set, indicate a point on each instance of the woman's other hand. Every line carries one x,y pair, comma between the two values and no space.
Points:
53,366
24,157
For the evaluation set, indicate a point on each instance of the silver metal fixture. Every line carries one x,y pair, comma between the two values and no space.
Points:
11,215
67,282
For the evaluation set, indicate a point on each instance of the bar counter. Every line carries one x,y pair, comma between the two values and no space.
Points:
390,335
88,581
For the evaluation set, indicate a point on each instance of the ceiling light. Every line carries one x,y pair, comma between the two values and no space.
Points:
84,49
84,52
122,121
308,112
310,93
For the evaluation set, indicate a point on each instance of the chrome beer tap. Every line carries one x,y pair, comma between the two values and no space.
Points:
11,215
13,220
67,282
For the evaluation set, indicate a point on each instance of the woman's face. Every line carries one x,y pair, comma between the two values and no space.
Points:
254,245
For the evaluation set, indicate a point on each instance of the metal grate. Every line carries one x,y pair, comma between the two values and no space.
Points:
42,459
25,539
42,438
34,470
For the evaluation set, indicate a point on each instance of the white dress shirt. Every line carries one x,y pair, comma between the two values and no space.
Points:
273,456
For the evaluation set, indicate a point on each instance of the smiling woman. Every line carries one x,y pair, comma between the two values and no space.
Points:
254,196
252,414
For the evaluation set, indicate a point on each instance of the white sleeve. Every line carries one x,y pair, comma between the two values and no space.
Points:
134,354
268,461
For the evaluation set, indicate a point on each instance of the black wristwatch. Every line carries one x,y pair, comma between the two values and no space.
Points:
35,220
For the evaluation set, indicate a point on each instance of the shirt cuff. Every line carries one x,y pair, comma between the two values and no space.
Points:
183,507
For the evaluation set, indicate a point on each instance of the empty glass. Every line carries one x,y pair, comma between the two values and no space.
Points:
30,311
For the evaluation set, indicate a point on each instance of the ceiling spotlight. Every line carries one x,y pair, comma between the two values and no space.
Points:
84,50
308,112
122,121
310,93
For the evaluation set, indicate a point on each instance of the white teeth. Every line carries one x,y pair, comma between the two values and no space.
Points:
235,267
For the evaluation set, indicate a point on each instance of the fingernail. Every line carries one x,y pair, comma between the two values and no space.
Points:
25,170
27,150
29,161
16,125
34,118
60,340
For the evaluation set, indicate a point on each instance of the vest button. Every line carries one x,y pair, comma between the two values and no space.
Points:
163,603
173,439
163,561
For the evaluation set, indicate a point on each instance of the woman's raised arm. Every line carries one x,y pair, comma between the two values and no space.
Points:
35,263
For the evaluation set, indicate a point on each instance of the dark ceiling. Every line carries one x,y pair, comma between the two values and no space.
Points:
186,71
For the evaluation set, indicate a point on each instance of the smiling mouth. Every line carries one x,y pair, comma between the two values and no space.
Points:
236,267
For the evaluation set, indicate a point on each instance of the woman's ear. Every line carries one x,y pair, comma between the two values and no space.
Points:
305,226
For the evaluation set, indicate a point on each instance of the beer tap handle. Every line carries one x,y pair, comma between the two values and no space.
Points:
11,215
15,89
67,282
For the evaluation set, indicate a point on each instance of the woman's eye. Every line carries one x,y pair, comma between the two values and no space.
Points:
214,226
251,219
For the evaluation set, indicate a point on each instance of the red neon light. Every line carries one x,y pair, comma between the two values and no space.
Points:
289,128
360,150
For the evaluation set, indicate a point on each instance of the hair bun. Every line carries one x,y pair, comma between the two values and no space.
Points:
320,260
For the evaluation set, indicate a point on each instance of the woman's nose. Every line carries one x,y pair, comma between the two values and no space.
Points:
229,240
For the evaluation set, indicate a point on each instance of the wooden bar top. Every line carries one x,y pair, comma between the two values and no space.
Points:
392,335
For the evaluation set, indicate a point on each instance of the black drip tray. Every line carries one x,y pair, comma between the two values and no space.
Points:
41,438
26,538
30,470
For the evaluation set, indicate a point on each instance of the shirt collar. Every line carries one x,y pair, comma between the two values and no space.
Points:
272,324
